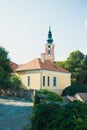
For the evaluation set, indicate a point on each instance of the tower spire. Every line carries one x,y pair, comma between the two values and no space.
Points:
49,28
50,39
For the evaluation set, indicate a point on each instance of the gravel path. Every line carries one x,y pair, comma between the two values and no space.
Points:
14,113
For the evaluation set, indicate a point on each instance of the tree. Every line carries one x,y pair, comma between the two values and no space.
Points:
60,63
73,89
5,68
84,72
74,64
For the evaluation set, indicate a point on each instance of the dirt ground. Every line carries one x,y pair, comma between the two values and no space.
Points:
14,113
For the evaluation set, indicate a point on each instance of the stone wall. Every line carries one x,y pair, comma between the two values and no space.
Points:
27,94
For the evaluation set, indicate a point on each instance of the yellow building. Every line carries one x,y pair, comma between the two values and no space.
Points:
42,73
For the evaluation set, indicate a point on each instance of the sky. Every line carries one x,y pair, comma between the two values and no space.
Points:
24,26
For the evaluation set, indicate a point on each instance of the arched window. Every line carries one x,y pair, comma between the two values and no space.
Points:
48,81
54,81
43,80
28,81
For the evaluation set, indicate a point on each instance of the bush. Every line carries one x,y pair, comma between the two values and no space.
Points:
53,117
47,96
36,98
43,115
73,89
15,82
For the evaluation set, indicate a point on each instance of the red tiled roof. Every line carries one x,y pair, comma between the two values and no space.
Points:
13,65
38,64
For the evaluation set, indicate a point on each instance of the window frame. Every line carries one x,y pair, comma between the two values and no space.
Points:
54,81
48,81
28,81
44,81
49,52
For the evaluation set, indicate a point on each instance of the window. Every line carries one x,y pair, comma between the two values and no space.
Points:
28,82
48,81
54,81
43,80
48,51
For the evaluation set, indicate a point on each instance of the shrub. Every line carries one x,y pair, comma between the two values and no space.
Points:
73,89
16,82
47,96
43,115
36,98
53,117
51,96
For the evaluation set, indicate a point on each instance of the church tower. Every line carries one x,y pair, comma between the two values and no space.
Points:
49,47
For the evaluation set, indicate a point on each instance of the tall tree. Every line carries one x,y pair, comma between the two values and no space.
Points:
74,64
84,72
5,68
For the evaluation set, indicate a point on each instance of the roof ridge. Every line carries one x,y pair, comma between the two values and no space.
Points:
38,64
30,61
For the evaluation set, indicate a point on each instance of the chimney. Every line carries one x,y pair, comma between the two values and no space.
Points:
43,57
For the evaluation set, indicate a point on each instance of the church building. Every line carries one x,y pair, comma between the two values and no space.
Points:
42,73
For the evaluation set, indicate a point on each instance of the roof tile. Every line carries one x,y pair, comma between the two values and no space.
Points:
38,64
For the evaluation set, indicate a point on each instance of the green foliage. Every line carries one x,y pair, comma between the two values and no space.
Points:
5,69
43,115
50,96
73,89
81,127
36,99
60,63
74,64
72,116
77,65
6,80
16,82
84,72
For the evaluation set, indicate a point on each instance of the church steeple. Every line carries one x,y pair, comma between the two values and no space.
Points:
49,47
50,39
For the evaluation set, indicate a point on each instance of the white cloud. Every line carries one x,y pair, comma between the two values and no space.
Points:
85,23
